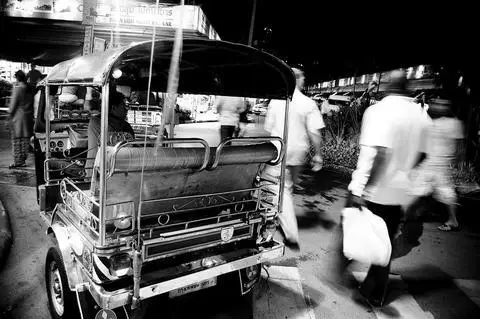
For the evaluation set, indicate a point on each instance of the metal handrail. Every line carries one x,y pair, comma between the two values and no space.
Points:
69,181
120,145
249,140
87,197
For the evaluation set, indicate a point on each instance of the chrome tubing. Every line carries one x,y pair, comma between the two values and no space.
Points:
170,142
47,129
284,160
248,140
103,166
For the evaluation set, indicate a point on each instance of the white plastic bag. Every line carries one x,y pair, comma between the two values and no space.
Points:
365,237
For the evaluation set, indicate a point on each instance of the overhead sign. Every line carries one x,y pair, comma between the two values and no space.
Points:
107,13
113,13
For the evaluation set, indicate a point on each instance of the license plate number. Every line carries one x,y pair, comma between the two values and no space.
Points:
193,287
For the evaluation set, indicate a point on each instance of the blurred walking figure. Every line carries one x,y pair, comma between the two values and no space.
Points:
391,143
365,98
243,121
304,125
229,108
435,173
21,116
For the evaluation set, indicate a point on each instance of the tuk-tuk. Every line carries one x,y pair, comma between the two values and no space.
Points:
152,215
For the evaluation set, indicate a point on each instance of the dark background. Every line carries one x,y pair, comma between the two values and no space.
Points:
331,39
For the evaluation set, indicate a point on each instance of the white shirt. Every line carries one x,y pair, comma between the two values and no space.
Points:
443,134
401,127
304,117
229,108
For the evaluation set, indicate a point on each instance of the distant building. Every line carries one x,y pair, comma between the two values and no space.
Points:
421,78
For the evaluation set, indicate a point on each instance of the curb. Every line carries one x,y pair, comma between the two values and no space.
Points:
6,238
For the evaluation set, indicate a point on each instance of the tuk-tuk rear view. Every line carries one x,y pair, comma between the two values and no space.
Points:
135,214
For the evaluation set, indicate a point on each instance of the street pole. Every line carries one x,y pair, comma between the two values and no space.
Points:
354,83
252,23
379,79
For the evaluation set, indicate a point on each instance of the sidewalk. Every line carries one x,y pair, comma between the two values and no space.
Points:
6,238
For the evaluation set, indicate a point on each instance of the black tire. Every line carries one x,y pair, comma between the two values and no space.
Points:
55,273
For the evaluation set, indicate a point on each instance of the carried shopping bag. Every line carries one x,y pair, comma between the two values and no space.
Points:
365,237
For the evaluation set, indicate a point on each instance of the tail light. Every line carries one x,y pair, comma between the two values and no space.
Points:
121,215
266,232
110,268
120,265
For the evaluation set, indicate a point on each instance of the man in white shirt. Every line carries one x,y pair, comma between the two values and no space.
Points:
304,125
229,108
392,142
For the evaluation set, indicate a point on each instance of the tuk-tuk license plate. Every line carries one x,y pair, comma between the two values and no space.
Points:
193,287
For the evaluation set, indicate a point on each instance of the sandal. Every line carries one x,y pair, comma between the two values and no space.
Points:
17,165
446,227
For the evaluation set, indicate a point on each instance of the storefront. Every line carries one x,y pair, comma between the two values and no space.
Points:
51,31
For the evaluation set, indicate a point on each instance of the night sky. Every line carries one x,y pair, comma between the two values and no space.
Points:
336,38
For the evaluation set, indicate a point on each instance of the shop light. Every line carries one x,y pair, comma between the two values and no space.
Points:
420,71
409,72
63,5
117,73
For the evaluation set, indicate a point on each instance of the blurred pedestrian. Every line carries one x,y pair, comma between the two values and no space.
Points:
304,125
21,116
33,76
391,144
243,120
435,173
366,97
229,108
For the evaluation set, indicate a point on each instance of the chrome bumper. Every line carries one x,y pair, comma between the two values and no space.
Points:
118,298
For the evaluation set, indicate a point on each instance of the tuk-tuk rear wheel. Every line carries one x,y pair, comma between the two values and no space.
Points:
61,300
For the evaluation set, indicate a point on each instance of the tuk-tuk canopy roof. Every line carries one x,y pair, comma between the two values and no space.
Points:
206,67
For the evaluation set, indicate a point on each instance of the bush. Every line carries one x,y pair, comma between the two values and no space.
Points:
464,174
5,88
343,123
341,153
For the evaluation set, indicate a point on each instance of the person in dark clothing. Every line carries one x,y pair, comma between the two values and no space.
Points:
118,128
21,117
365,99
33,76
243,121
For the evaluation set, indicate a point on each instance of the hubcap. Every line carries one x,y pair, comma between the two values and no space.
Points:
56,289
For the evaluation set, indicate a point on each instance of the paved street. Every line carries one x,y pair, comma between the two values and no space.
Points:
437,279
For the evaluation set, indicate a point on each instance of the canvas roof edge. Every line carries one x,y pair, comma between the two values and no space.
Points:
96,68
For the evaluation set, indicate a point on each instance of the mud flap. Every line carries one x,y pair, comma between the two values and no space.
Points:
247,285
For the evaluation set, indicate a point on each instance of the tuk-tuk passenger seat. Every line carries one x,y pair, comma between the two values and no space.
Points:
174,172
